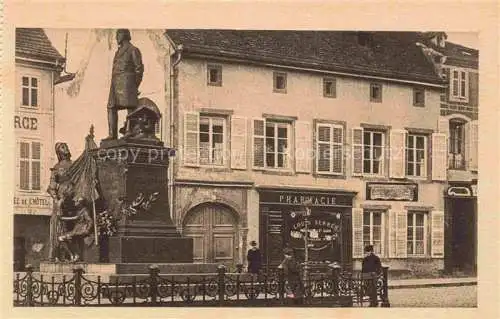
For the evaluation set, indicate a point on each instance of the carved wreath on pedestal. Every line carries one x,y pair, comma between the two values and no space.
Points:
107,223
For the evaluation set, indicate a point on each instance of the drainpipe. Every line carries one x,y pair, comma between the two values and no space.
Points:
172,126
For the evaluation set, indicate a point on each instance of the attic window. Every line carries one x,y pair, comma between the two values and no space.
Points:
279,85
214,75
466,53
365,38
375,92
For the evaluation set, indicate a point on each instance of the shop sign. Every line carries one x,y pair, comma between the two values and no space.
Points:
288,198
32,204
321,232
26,122
459,191
392,191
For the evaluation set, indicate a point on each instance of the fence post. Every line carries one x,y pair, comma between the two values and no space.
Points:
281,283
221,283
385,288
373,290
154,272
335,279
29,283
78,271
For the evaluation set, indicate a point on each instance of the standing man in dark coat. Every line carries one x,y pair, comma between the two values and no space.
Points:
254,258
370,268
125,80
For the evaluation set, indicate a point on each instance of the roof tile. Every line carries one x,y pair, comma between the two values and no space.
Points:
33,42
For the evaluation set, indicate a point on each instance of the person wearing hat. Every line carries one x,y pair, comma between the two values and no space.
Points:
291,270
370,267
254,258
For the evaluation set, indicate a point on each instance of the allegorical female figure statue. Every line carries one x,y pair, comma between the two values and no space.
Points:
61,190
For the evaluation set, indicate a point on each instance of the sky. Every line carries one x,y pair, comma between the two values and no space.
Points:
74,115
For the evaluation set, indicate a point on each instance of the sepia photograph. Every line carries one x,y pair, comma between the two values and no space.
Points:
210,167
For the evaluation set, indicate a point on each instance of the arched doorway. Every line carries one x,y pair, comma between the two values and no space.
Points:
214,229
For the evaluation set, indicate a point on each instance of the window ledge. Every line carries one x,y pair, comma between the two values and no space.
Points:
330,176
268,171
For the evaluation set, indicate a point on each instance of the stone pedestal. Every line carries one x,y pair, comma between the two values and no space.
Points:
126,169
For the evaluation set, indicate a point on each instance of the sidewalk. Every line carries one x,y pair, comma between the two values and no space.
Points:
431,282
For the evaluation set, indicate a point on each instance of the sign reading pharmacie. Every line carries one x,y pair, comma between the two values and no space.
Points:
392,191
32,204
298,198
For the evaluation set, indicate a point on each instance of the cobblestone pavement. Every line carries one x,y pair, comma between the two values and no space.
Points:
462,296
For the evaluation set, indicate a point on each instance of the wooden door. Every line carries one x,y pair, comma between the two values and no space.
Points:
215,234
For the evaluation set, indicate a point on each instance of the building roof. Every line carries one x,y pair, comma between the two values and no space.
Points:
388,54
34,43
459,55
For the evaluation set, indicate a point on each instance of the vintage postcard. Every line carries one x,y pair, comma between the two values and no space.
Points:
163,162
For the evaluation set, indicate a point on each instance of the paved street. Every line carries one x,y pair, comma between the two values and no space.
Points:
462,296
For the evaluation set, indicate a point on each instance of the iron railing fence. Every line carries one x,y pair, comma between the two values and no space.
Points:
336,288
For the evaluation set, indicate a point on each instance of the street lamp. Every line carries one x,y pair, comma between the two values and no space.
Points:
307,213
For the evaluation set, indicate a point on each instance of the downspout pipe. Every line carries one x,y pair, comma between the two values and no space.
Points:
172,126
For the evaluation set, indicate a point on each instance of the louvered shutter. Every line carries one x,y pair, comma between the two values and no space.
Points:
357,151
303,145
191,138
397,153
439,156
467,145
474,149
338,149
258,143
437,234
401,234
392,233
238,142
357,233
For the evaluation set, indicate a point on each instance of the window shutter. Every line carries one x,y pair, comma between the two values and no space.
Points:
392,233
437,234
303,145
238,142
397,154
474,149
338,149
357,233
357,151
18,165
258,143
439,155
467,145
401,234
323,143
191,138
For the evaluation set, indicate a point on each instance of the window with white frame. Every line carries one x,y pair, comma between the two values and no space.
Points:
372,229
416,155
330,148
277,144
29,165
459,85
373,152
30,88
212,130
417,233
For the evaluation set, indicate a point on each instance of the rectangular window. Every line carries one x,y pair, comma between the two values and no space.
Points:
459,85
329,87
375,92
29,91
214,75
373,152
416,233
277,144
372,230
279,82
330,148
419,97
456,147
29,165
416,155
212,137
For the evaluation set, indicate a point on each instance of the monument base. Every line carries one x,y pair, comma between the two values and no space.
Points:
135,249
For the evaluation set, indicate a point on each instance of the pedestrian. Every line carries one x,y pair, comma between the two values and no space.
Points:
370,269
291,270
254,258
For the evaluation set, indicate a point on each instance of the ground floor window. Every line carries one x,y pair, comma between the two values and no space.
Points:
417,233
373,230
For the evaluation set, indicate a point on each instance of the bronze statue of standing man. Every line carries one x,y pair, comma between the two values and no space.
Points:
125,80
